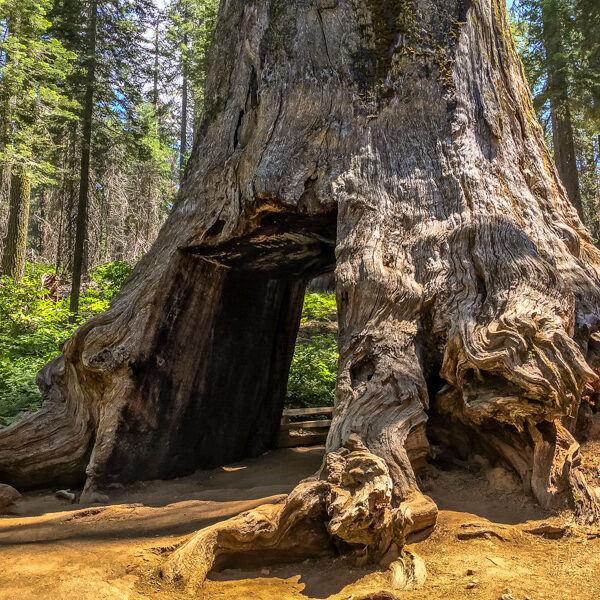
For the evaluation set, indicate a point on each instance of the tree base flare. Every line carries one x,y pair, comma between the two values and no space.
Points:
544,454
348,507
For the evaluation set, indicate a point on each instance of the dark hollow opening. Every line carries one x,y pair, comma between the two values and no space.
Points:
211,387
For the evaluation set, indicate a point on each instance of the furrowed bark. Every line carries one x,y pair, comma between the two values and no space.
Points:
396,142
15,242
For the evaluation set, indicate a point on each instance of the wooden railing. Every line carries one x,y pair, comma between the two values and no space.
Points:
304,433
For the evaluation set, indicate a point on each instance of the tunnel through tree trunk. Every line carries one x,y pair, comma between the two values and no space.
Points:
175,414
221,361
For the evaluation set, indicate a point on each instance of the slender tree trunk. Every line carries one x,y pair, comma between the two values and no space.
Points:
184,111
6,126
395,143
15,243
156,66
71,197
184,96
60,233
563,139
86,143
564,150
4,202
43,224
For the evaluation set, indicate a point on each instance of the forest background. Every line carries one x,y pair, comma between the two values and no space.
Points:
100,101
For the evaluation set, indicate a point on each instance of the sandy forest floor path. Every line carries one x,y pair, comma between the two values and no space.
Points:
54,550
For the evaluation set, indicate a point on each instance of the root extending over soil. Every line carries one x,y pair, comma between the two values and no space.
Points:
348,506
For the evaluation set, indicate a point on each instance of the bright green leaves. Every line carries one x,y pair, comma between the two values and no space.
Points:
33,68
314,367
32,327
313,372
319,307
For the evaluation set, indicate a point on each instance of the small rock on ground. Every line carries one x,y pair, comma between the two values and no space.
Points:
8,496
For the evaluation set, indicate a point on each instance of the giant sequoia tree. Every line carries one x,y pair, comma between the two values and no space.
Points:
395,142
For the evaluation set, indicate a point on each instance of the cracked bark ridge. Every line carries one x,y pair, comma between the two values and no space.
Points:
392,140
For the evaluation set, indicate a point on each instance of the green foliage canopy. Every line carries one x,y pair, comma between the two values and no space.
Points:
33,68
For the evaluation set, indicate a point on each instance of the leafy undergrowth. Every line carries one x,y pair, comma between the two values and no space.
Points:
319,307
315,363
33,325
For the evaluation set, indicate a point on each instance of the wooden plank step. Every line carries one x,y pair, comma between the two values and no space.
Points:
300,412
305,412
307,424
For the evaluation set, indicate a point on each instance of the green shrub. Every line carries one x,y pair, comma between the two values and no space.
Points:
108,279
313,373
319,307
18,390
32,327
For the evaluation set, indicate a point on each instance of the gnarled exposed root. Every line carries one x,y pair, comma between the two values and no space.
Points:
51,446
544,454
557,480
347,507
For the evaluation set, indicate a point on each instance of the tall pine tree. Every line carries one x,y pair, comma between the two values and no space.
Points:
560,47
33,65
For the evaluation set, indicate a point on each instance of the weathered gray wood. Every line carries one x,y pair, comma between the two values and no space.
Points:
302,412
308,424
396,141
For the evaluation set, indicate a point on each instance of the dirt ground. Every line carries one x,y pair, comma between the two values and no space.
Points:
480,549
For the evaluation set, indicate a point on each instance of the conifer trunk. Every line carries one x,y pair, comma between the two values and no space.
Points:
84,170
43,225
155,70
563,139
184,113
15,242
4,201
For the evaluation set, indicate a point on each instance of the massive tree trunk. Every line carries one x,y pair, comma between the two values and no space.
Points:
396,142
